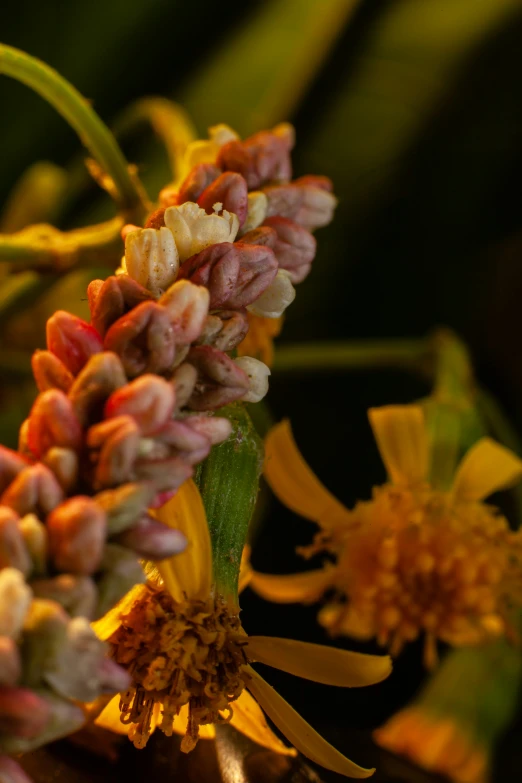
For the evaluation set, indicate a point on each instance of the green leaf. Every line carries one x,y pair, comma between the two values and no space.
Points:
228,481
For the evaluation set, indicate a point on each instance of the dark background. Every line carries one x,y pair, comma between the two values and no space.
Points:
414,108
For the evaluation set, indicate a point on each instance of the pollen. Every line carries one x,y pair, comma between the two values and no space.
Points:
178,654
413,561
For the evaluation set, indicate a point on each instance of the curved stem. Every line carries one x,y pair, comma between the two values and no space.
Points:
168,120
360,354
76,110
43,246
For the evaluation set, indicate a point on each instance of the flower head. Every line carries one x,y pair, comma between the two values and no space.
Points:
415,558
190,658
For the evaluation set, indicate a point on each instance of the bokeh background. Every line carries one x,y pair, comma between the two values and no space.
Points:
413,108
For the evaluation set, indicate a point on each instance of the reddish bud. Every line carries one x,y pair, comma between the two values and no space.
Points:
166,474
153,540
53,422
308,201
187,306
115,297
72,340
11,464
34,490
13,552
11,772
225,329
220,380
184,379
235,274
143,339
149,400
198,179
156,219
118,443
22,712
259,236
49,372
215,428
101,376
294,247
264,157
77,531
230,190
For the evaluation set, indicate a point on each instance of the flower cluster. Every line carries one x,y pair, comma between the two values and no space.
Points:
190,658
238,225
415,558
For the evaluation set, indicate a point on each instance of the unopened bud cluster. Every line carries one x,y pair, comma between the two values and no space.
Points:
237,225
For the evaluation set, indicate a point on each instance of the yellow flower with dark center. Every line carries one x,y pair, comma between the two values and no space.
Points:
415,558
190,658
259,341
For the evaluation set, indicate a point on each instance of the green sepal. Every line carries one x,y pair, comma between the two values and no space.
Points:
229,481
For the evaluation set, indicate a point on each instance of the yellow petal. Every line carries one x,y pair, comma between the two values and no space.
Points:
486,468
291,588
109,623
206,731
402,439
109,718
245,569
298,731
190,573
294,482
248,718
319,662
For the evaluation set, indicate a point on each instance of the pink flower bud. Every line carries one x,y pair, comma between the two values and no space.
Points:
215,428
196,181
294,247
101,376
49,372
72,340
230,190
22,712
263,235
124,505
34,490
11,772
143,339
112,678
77,531
264,157
220,380
308,201
235,274
153,540
187,306
225,329
93,291
116,296
13,552
64,465
184,379
118,443
53,422
149,400
166,474
180,436
11,464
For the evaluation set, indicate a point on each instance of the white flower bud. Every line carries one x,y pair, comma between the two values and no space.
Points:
258,376
257,209
193,230
15,599
151,258
273,302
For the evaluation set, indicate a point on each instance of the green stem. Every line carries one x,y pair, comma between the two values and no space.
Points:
168,120
44,246
76,110
340,356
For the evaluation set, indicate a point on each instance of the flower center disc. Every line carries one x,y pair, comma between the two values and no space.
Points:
178,654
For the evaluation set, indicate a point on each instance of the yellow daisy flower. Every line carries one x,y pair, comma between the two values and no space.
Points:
190,658
259,341
415,558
